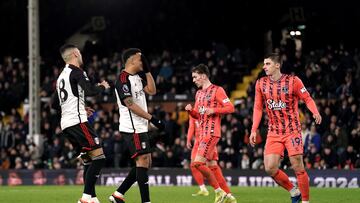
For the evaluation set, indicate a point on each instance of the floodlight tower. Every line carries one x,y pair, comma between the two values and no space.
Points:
34,70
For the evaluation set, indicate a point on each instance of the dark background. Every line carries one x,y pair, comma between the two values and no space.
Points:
177,25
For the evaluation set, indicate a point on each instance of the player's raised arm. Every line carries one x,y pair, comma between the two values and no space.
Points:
150,87
193,110
123,89
86,85
304,95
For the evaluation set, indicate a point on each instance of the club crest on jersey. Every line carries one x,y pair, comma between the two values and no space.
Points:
274,105
125,88
285,90
208,97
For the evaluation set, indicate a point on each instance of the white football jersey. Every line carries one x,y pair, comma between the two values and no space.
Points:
131,86
71,87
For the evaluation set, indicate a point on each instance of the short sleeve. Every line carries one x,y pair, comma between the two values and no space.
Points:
78,75
123,86
299,89
221,96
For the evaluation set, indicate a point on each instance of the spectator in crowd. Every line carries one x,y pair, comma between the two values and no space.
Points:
312,138
335,69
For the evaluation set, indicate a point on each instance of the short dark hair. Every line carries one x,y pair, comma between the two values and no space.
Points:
128,53
65,47
274,57
201,69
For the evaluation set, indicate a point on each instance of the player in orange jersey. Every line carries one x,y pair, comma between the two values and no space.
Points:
211,102
280,93
193,132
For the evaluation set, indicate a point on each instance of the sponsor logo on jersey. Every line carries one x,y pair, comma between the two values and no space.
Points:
226,100
139,94
202,110
302,90
275,105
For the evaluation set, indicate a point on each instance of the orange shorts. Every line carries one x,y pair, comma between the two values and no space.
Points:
207,148
195,149
276,144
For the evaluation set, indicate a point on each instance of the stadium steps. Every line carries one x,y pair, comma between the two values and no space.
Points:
241,88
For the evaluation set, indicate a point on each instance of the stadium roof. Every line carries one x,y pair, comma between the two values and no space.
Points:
175,24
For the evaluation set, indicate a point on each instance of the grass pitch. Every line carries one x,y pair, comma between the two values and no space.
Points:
70,194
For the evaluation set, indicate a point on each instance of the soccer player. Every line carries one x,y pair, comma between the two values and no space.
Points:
72,86
280,93
211,102
130,89
193,131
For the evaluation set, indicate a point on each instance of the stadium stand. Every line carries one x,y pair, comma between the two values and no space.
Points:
330,74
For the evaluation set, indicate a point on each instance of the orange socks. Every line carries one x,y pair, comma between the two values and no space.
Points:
283,180
206,172
220,178
197,175
303,184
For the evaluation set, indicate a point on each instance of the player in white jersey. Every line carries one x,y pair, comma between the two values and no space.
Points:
72,86
130,89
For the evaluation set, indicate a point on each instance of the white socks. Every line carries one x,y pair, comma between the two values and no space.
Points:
116,193
218,189
86,196
202,187
95,200
294,192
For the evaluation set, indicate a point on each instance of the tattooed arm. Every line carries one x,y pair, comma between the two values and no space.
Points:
136,108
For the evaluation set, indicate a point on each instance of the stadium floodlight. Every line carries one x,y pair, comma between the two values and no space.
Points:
301,27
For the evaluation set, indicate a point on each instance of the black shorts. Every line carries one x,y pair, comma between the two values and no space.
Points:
138,143
83,137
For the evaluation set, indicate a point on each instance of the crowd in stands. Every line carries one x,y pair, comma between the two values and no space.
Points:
330,74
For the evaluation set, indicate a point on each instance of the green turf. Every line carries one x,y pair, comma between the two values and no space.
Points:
70,194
